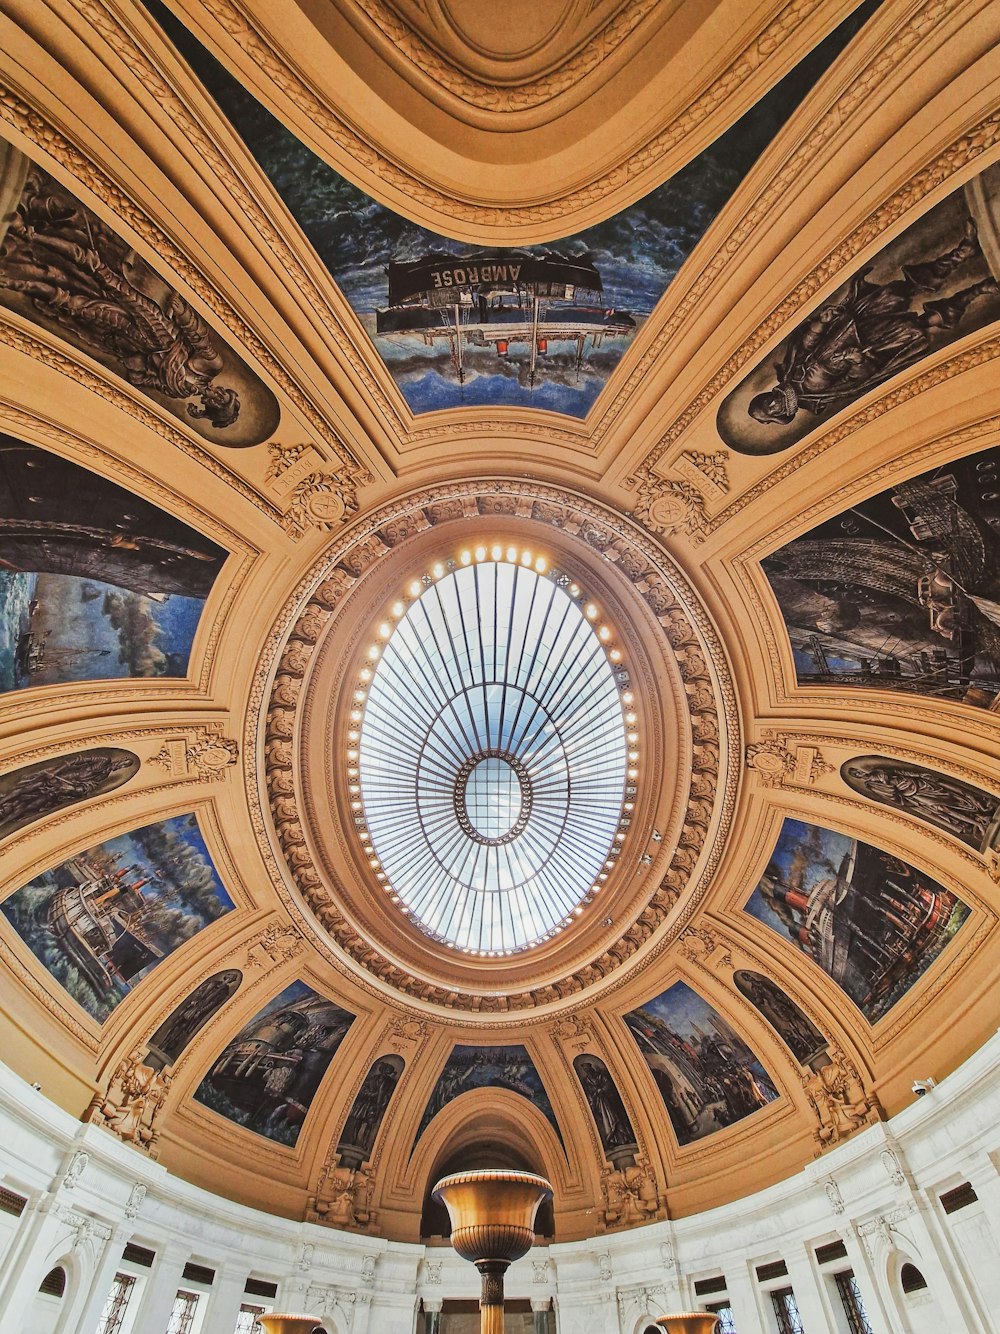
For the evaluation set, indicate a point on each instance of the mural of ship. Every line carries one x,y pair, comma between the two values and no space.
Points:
504,300
99,919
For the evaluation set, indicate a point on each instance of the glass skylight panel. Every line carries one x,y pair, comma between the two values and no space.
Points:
492,760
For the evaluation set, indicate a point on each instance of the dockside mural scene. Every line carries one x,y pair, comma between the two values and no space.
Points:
95,582
931,285
706,1074
470,1068
543,326
951,805
37,790
902,591
103,919
872,923
267,1076
68,272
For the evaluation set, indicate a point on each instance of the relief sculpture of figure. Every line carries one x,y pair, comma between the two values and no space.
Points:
77,272
868,335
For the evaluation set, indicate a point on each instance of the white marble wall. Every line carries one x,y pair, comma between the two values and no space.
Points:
88,1195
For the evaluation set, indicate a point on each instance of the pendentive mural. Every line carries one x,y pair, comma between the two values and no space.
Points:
37,790
872,922
95,582
65,270
188,1019
357,1139
101,920
470,1068
267,1076
957,808
933,284
541,326
902,591
617,1136
707,1076
798,1032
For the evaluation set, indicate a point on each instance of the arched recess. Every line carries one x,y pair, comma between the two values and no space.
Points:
916,1307
487,1128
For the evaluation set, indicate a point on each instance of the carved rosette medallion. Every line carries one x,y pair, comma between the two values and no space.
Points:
330,621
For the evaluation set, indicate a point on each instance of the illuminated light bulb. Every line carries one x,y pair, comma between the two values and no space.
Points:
366,674
633,756
630,718
353,735
466,558
590,611
354,789
615,655
384,630
602,876
632,738
359,696
397,609
541,564
574,590
633,773
480,553
355,715
628,697
395,898
374,652
352,773
525,557
512,554
416,588
610,866
352,754
373,862
578,911
405,911
355,805
380,876
497,552
604,634
629,806
619,838
438,570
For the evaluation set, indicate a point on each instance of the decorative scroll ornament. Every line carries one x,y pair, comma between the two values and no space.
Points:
274,945
777,765
205,754
316,497
834,1196
135,1199
76,1169
132,1106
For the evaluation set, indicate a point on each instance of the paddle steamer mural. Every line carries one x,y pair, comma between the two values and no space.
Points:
872,922
101,920
706,1074
542,325
902,591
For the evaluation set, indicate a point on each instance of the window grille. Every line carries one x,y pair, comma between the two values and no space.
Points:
724,1311
959,1198
182,1316
787,1312
776,1269
54,1283
11,1203
833,1250
116,1305
705,1286
139,1255
259,1287
247,1322
911,1278
854,1307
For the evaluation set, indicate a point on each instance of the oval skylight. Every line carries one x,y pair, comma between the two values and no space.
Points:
495,752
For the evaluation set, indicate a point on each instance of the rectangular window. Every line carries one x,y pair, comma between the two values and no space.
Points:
116,1305
247,1323
854,1307
182,1316
787,1312
724,1311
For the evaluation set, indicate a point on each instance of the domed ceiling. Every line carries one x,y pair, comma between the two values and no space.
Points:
499,612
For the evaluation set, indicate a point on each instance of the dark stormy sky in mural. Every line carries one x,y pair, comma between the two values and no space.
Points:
637,253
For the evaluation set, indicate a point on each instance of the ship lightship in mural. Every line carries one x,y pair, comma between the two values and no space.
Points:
508,301
98,920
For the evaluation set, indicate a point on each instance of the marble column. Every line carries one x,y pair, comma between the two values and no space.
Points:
432,1314
161,1288
539,1309
227,1296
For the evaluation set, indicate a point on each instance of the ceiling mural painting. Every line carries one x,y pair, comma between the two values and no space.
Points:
70,273
706,1074
538,326
933,284
95,582
357,1139
37,790
951,805
266,1078
902,590
101,920
482,1067
618,1139
796,1030
183,1025
872,922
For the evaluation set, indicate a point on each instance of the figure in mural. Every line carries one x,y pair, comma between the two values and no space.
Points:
267,1076
901,592
929,286
100,921
361,1126
608,1110
488,1067
796,1029
95,582
543,326
190,1017
966,812
62,266
707,1076
873,923
31,793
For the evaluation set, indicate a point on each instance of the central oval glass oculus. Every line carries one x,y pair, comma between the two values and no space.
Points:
493,755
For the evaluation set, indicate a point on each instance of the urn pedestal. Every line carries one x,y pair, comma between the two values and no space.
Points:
689,1322
289,1324
492,1224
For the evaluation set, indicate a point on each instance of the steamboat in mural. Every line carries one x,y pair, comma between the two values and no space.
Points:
506,303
